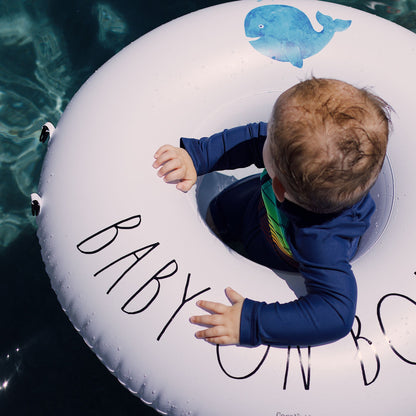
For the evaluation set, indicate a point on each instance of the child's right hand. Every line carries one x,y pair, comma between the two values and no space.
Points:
175,165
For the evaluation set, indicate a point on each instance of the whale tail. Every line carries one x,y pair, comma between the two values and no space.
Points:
333,25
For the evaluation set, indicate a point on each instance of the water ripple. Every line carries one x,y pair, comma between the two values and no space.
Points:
34,78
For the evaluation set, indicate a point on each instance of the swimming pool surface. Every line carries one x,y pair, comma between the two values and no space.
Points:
48,48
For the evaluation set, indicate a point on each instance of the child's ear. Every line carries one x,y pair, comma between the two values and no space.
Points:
279,189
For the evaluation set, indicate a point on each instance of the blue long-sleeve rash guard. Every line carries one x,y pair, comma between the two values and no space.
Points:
322,245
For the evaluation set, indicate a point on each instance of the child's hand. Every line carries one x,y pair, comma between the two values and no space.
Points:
175,165
224,320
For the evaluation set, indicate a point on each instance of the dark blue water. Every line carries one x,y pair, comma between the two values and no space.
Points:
48,48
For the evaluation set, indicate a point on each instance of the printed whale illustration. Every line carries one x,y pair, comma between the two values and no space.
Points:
285,33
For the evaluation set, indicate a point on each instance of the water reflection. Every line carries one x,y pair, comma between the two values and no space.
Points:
34,77
36,81
112,28
9,367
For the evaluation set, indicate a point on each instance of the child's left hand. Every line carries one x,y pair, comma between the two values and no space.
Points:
224,321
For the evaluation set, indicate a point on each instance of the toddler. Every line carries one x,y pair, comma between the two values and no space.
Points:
322,150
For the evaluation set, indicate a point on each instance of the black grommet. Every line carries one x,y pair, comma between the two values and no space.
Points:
35,208
44,135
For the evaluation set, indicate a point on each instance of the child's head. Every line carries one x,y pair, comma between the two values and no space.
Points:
327,142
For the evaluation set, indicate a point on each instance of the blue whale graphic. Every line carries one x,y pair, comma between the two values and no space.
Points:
285,33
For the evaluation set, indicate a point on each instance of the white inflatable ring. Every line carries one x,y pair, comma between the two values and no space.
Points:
128,255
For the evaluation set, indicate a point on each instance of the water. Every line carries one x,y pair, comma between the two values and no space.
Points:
48,48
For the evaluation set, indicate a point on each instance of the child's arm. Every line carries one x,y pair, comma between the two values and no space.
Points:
224,321
175,165
233,148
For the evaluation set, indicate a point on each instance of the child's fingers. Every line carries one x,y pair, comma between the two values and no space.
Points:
233,296
163,149
174,175
219,340
214,307
166,153
164,156
168,167
207,320
175,165
216,331
217,335
185,185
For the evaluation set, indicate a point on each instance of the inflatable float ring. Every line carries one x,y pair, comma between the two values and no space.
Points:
129,255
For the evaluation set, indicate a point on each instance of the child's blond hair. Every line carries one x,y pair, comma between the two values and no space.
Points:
328,141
